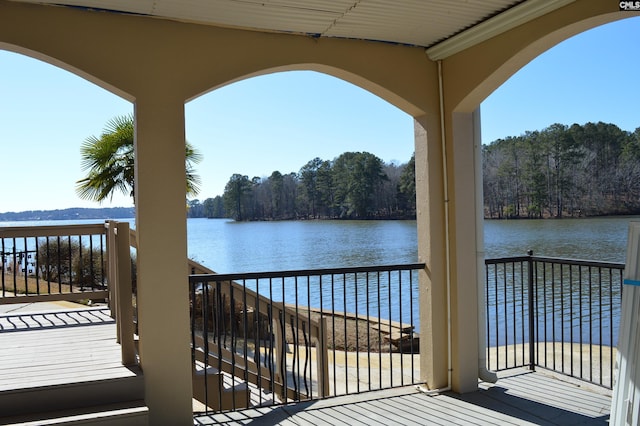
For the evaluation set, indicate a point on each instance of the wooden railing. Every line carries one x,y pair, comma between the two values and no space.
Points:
119,279
78,263
283,346
48,263
264,366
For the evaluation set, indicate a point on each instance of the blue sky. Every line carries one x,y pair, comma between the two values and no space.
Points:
281,121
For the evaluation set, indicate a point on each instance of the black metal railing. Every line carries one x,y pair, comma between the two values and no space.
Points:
277,337
558,314
45,262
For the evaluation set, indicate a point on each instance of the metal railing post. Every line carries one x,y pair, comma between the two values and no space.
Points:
532,340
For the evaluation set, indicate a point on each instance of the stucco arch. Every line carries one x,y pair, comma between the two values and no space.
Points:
353,78
67,67
188,60
468,77
513,50
160,64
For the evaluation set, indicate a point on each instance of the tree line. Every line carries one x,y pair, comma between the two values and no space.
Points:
355,185
560,171
563,171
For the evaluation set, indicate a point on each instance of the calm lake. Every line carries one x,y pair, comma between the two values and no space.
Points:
226,246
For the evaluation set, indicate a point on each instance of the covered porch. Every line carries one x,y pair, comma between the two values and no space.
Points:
60,363
66,362
77,350
519,397
173,54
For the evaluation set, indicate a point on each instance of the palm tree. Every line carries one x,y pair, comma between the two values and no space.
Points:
109,160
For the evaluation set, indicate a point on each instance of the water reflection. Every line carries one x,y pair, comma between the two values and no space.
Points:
603,239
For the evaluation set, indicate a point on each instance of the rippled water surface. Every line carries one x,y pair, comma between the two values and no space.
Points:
226,246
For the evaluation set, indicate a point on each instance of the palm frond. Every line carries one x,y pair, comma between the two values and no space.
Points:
109,161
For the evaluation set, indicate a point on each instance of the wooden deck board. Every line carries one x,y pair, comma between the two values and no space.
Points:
39,349
31,320
561,394
365,409
44,349
441,411
519,397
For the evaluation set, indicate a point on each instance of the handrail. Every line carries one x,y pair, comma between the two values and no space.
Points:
311,272
51,230
121,289
201,273
556,260
71,263
554,313
19,242
286,320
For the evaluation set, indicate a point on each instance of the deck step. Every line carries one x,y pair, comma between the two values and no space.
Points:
74,395
134,413
206,386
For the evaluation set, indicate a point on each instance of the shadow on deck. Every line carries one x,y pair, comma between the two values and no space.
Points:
519,397
64,366
66,363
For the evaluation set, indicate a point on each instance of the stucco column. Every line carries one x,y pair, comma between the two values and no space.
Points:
463,245
431,250
163,297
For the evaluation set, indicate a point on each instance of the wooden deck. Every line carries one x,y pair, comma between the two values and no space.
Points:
77,348
30,343
518,398
62,360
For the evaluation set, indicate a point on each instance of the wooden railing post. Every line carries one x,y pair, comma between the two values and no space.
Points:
322,353
124,295
279,353
112,270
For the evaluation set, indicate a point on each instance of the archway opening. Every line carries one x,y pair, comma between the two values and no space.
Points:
282,136
269,130
559,141
45,115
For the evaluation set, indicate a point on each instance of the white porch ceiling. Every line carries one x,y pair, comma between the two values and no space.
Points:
426,23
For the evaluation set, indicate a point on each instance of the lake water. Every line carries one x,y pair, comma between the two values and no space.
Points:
226,246
603,239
